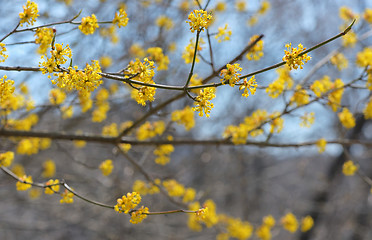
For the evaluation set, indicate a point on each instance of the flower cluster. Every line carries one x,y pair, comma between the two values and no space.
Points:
255,52
58,57
340,61
88,24
102,106
6,88
43,37
163,152
364,58
120,19
206,214
199,20
145,73
110,130
157,55
2,52
202,101
250,85
6,159
57,96
164,22
300,96
350,39
128,202
223,34
54,186
138,215
346,118
29,14
150,130
283,82
367,111
188,53
174,188
335,89
67,197
293,56
230,74
321,144
24,183
144,188
106,167
349,168
264,231
49,169
289,222
307,119
184,117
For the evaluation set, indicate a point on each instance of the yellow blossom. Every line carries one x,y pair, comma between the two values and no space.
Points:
188,53
340,61
144,188
67,197
321,144
283,82
24,183
49,169
164,22
349,168
174,188
223,34
347,14
28,146
34,193
44,37
127,202
241,5
106,167
307,120
52,189
292,56
230,74
368,15
105,61
250,85
346,118
289,222
324,85
199,20
156,54
137,51
268,221
18,170
202,101
29,14
150,130
239,229
220,6
163,153
110,130
263,232
2,52
6,88
364,58
350,39
255,52
57,96
276,125
195,81
265,5
89,24
121,19
368,109
184,117
6,159
67,112
300,96
189,195
138,215
307,223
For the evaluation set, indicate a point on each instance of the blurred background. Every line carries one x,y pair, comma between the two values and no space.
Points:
246,182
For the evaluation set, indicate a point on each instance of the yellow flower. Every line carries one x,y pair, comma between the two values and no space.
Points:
29,14
89,24
144,188
202,102
184,117
350,39
250,85
138,215
2,52
188,53
230,74
289,222
263,232
34,193
120,19
106,167
24,183
189,195
6,159
199,20
368,109
300,96
44,37
292,57
321,144
157,55
307,223
268,221
6,89
67,197
137,51
346,118
239,229
368,15
52,189
347,14
18,170
283,82
220,7
67,112
164,22
364,58
349,168
256,52
105,61
174,188
49,169
150,130
265,5
28,146
340,61
110,130
57,96
307,120
223,34
241,5
163,153
128,202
